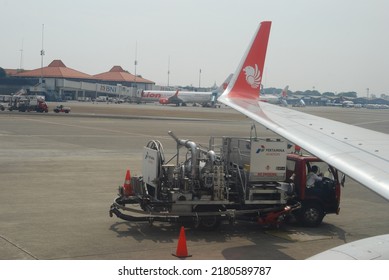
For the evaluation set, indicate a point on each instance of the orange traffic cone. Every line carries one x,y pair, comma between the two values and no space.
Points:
128,191
182,250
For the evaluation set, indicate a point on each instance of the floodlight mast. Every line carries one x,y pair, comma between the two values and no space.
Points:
42,54
168,71
21,56
136,59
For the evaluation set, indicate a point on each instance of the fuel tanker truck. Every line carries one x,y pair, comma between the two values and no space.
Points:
234,179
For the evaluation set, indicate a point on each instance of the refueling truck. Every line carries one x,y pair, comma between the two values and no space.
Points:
233,179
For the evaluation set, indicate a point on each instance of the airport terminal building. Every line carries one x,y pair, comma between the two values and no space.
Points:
59,82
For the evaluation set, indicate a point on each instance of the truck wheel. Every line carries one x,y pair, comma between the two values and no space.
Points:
208,223
311,215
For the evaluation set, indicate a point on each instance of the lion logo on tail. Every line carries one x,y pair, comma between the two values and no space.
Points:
253,76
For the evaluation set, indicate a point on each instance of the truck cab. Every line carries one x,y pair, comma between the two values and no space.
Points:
321,199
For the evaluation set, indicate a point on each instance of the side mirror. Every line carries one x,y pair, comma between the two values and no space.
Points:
343,180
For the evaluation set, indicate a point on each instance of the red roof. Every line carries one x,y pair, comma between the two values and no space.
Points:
11,72
56,69
117,74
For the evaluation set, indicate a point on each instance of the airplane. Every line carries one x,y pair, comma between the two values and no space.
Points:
348,104
184,97
155,95
300,103
206,99
279,99
359,153
178,97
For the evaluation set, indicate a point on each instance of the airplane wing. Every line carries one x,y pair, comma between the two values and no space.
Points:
359,153
372,248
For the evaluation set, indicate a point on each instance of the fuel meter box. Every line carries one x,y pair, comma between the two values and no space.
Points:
267,160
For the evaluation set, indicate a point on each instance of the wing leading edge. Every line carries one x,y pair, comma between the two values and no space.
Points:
360,153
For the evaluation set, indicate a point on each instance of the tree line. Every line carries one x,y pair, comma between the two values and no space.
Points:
310,93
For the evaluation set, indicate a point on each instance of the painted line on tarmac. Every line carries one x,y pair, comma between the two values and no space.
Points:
18,247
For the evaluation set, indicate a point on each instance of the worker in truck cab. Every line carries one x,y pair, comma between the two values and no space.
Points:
313,177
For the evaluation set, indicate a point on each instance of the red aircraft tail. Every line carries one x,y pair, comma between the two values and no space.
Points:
247,79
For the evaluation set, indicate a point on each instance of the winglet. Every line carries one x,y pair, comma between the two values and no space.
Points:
247,79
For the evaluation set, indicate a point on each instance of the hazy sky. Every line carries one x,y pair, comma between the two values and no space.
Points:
329,45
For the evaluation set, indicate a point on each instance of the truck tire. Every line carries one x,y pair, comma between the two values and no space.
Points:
311,214
208,223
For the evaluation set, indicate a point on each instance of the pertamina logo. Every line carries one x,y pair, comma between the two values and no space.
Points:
259,150
267,151
253,76
149,157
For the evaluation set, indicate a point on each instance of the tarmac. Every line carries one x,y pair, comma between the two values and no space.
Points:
59,174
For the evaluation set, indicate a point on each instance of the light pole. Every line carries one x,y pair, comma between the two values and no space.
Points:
42,54
168,71
200,78
21,57
136,61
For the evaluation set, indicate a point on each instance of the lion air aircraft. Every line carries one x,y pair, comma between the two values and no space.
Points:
279,99
359,153
178,97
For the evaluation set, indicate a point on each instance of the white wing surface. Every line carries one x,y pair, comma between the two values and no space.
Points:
372,248
359,153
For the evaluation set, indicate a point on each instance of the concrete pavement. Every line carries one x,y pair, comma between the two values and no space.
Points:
59,175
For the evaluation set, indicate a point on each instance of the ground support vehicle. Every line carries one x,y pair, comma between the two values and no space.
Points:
23,104
240,179
16,102
61,108
38,106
